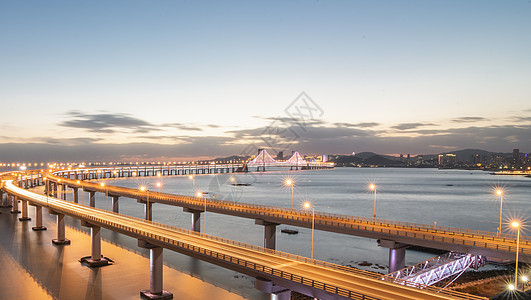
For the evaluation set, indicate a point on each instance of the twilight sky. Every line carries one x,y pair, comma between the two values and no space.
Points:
108,80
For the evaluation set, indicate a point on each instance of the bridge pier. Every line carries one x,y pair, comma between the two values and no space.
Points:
196,218
55,190
24,211
115,204
267,286
75,196
270,232
63,191
38,219
14,204
397,254
60,240
92,198
155,273
4,200
95,259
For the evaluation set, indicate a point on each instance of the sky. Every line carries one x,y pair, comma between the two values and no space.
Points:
183,80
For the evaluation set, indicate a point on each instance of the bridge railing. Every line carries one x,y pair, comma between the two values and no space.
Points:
287,213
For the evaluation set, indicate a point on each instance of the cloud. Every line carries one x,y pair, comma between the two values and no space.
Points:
357,125
182,127
468,119
107,123
407,126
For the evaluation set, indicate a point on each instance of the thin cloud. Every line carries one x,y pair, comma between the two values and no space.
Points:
357,125
107,123
407,126
469,119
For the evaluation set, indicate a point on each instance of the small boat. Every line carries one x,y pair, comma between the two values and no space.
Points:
289,231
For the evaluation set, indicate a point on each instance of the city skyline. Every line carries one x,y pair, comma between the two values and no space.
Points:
122,81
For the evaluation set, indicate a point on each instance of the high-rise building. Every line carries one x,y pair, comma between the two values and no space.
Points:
280,155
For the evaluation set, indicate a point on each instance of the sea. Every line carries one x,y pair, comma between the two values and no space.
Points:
33,267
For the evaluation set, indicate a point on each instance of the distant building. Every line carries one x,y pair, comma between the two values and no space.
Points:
280,155
447,160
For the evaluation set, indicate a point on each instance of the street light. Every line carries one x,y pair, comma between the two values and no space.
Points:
517,226
200,195
233,179
524,279
290,183
372,187
308,205
499,192
106,195
193,183
143,188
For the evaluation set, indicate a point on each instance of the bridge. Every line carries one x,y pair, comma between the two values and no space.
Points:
263,159
275,272
395,235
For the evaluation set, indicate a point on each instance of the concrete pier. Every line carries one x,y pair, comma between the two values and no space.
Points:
38,219
270,232
24,212
75,196
95,259
14,204
397,254
276,292
155,275
92,198
60,240
115,204
196,218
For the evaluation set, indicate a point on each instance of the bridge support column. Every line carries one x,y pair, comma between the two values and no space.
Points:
155,273
148,211
55,190
4,200
95,259
196,218
60,240
267,286
397,254
115,205
270,232
38,219
24,211
75,196
14,204
92,198
63,191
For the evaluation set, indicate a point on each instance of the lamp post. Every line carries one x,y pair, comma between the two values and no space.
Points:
233,179
524,279
372,187
200,195
308,205
143,188
106,196
289,183
499,192
193,183
517,226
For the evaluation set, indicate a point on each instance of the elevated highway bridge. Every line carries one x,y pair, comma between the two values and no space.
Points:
275,272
